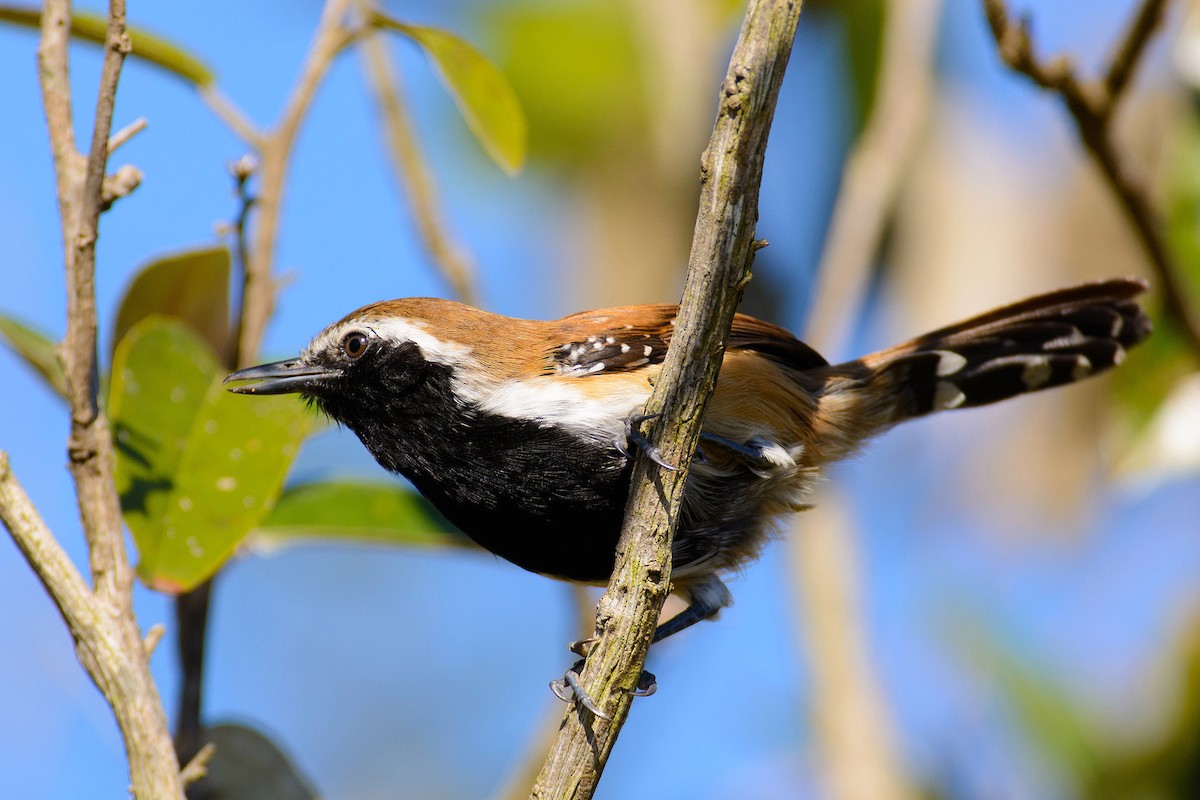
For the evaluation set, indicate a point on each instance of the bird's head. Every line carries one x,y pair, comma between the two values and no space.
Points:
369,359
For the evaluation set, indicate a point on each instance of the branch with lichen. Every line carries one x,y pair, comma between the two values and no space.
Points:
723,247
1092,106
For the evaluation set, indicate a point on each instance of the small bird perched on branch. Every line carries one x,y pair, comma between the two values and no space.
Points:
517,430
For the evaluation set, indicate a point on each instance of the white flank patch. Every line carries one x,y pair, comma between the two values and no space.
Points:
774,452
554,402
949,362
947,395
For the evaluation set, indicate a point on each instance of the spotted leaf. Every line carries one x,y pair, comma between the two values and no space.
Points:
197,467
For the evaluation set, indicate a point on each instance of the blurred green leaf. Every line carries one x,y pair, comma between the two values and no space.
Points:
1144,382
147,46
482,93
381,513
862,22
577,69
1051,718
192,287
37,349
247,765
1183,203
197,467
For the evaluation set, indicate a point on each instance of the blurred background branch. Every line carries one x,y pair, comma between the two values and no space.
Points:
1092,105
850,714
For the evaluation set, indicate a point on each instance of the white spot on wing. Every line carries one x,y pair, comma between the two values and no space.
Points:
1082,369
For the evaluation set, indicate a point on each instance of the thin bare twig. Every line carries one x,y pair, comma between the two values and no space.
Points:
258,288
232,116
722,250
45,555
125,134
411,171
1091,105
274,149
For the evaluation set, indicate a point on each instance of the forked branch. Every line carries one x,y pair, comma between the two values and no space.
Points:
1092,105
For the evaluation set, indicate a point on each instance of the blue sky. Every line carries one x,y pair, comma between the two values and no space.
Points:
421,674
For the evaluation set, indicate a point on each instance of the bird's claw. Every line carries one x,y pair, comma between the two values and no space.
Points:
568,687
632,434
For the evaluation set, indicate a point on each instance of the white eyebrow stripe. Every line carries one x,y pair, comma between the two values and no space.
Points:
433,348
548,401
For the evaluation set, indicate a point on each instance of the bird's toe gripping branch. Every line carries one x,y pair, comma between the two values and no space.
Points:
568,688
633,435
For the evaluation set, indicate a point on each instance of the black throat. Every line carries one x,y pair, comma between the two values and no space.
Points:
536,495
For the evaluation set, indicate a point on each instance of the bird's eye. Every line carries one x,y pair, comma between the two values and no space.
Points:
354,344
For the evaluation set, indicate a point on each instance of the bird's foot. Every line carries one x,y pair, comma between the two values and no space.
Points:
633,434
568,687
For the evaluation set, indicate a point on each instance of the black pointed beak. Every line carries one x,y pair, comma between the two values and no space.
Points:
281,377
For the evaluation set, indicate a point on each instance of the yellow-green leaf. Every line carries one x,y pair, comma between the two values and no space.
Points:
192,287
379,513
482,93
147,46
197,467
37,350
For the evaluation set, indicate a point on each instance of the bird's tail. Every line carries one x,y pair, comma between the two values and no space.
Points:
1034,344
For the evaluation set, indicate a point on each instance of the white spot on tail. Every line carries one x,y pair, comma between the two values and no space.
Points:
947,395
1036,372
1070,340
949,362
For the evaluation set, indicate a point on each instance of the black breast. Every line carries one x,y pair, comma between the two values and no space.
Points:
540,497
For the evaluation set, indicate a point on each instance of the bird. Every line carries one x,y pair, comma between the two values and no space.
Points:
520,431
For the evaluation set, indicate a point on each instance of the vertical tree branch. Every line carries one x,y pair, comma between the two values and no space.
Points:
90,445
101,620
722,251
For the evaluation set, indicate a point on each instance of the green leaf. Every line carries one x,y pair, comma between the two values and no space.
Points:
483,95
197,467
247,765
379,513
37,349
147,46
581,76
192,287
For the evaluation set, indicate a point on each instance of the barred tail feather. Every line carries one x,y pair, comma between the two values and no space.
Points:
1038,343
